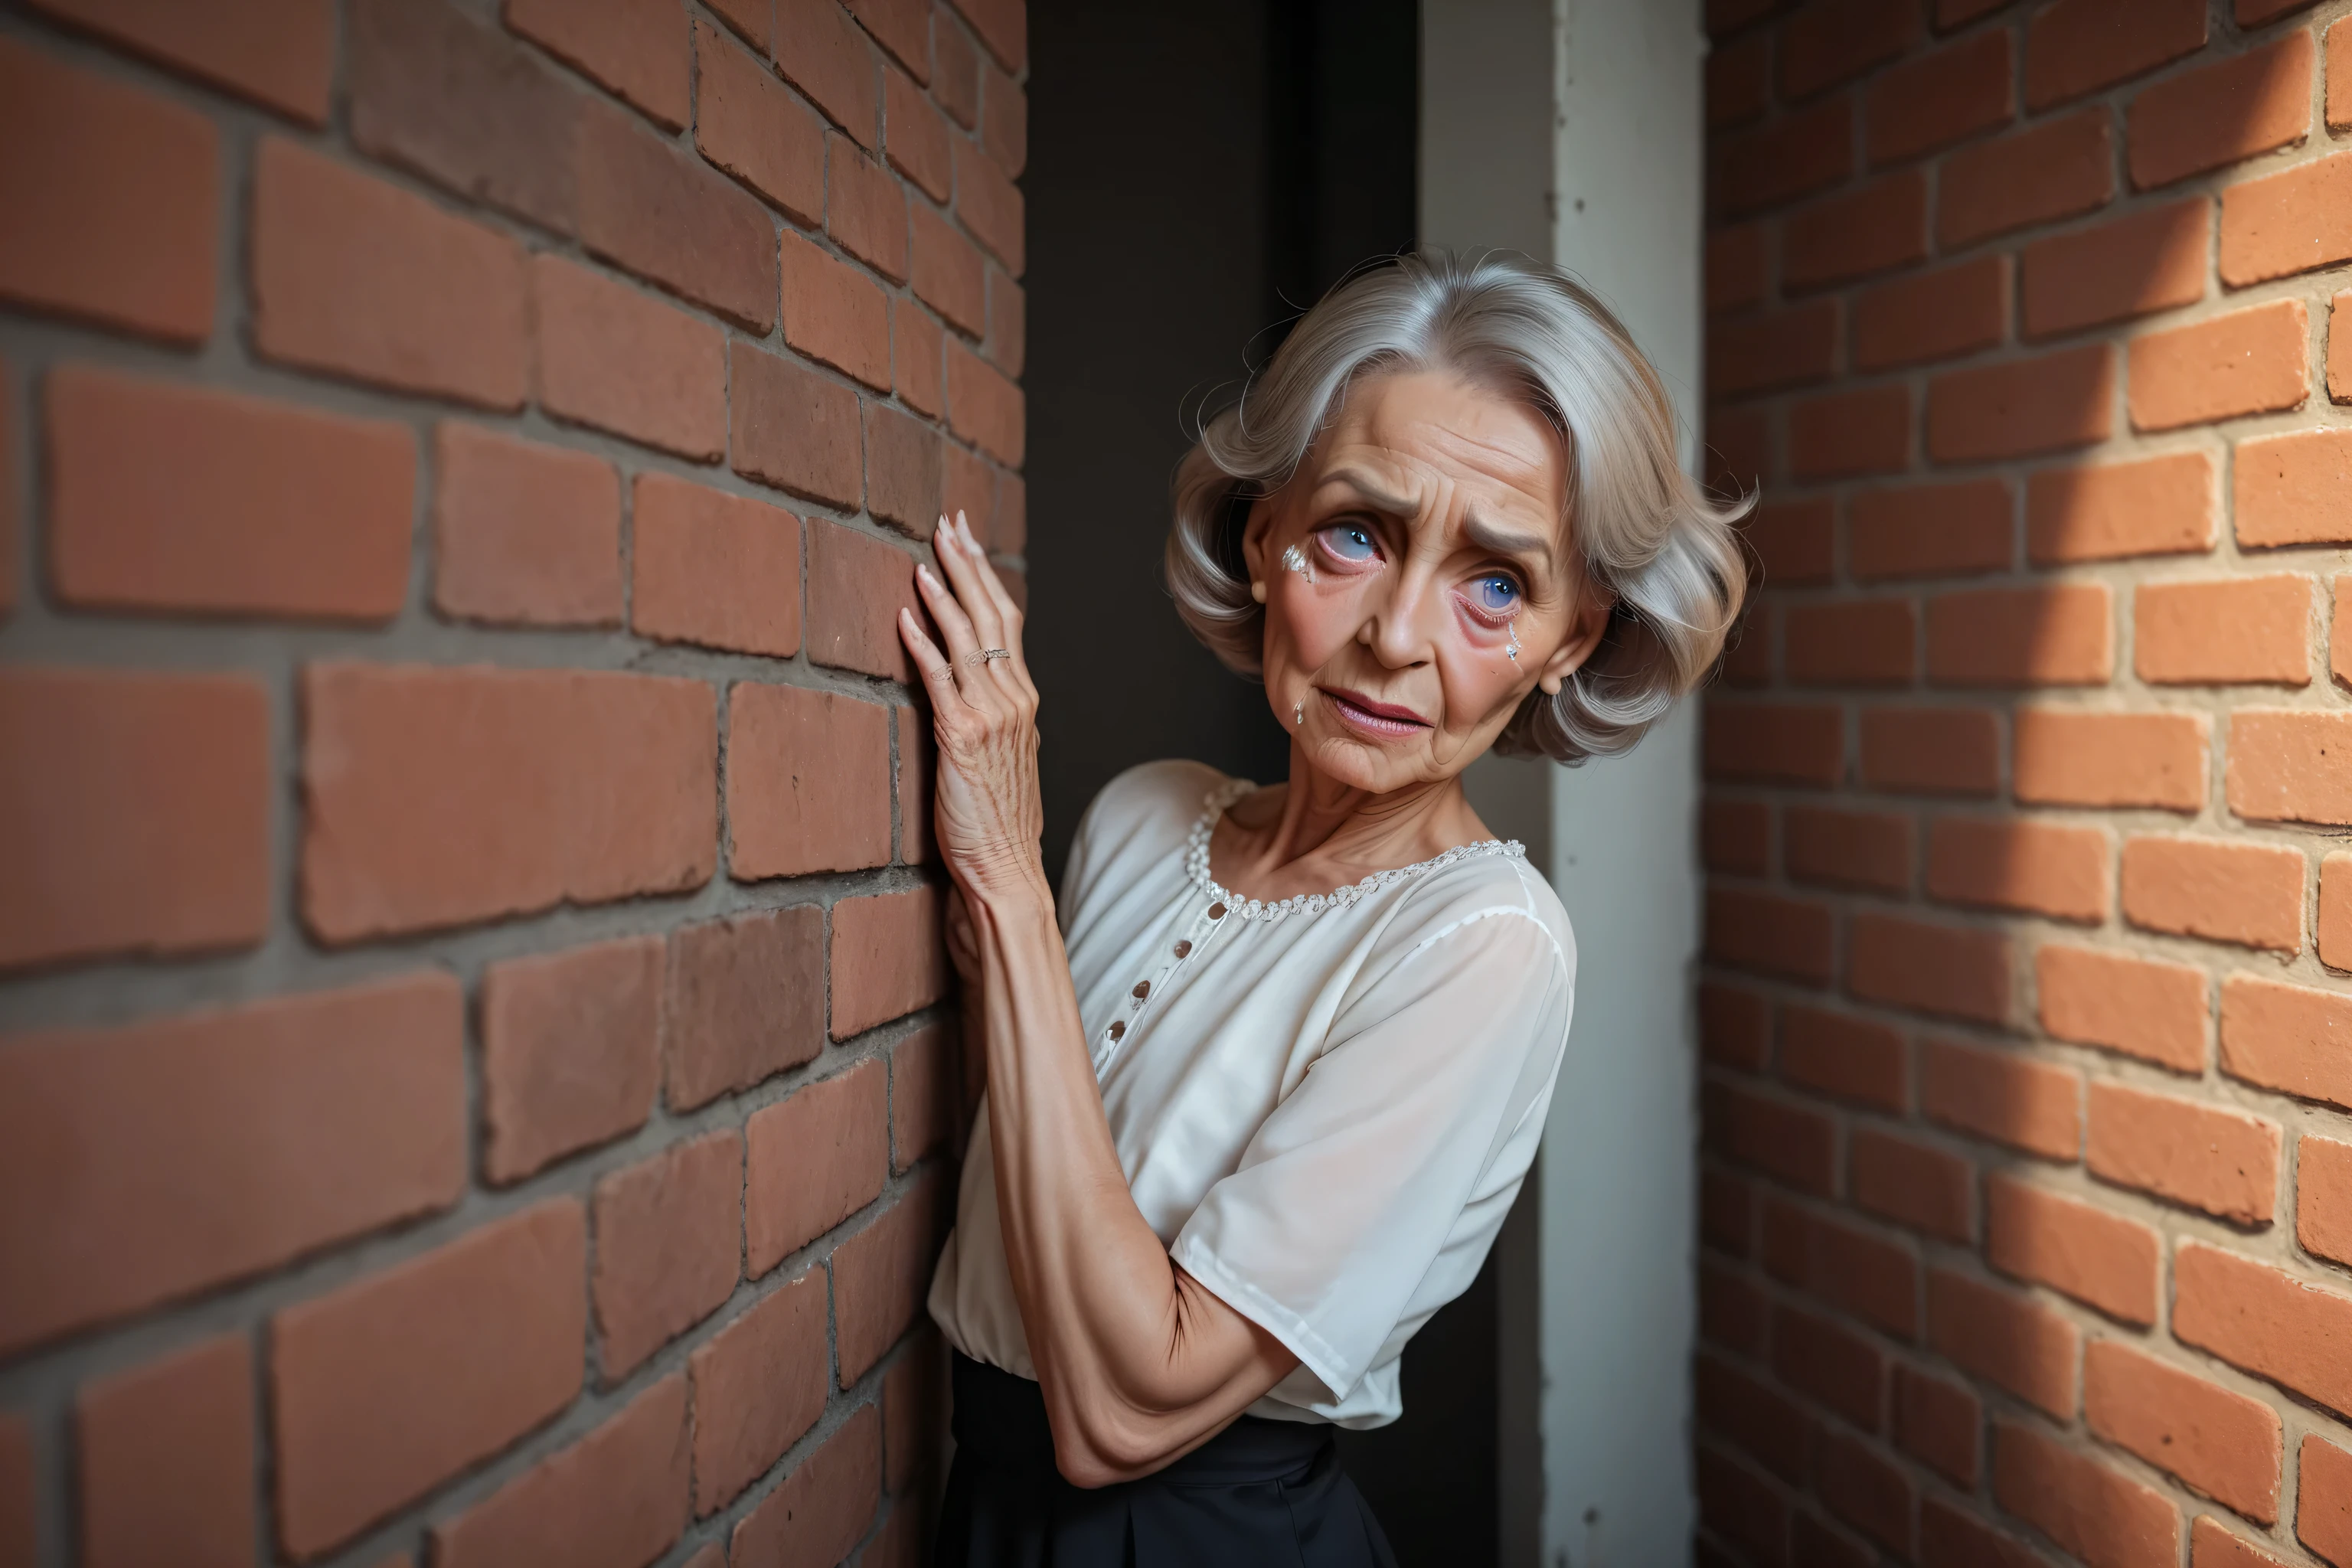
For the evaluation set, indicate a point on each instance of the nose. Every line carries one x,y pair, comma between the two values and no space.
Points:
1398,631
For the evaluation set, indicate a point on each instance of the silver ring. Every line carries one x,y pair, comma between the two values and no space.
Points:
984,655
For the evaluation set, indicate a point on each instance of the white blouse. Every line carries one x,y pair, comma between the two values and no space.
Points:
1324,1106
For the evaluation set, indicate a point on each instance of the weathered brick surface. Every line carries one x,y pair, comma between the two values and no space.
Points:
447,791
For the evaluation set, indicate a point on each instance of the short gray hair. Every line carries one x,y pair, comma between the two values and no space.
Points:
1647,533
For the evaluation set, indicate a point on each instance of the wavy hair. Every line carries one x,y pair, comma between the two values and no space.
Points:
1647,533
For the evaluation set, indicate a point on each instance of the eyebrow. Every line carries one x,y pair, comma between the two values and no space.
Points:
1481,532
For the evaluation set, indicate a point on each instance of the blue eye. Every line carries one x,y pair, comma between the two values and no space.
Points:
1349,541
1495,593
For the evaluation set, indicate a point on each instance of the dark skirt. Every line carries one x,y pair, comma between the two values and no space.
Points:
1259,1494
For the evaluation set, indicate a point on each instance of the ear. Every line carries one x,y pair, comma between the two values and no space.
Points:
1584,634
1254,532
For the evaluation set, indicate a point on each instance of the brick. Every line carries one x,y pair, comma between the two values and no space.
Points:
2287,223
1007,347
2010,1098
903,464
990,205
19,1535
2339,635
745,1001
2143,1008
1731,1311
115,220
652,208
1769,934
1867,1491
1832,1364
826,1505
103,862
1004,122
619,360
1941,98
638,48
617,1498
1940,1424
1792,156
955,70
1855,642
1738,81
2009,1340
2065,758
2033,868
2288,1037
2236,629
752,126
1839,433
2059,635
915,136
164,1458
171,497
714,569
381,1390
2109,511
2293,488
984,407
2250,362
2246,893
946,270
1951,970
9,530
2323,1197
901,26
571,1051
857,583
1844,1056
1736,836
1930,750
1780,348
2100,1259
1795,1145
865,209
1951,1538
464,105
888,958
2153,259
276,53
2339,79
1867,229
1848,848
1738,262
821,51
2335,935
1747,652
2223,112
1860,1270
1825,44
2212,1546
881,1275
1741,1507
2221,1161
759,1384
1727,1212
1775,743
1735,1026
918,766
794,428
2265,1321
2015,409
2226,1446
2092,1511
924,1113
668,1246
358,277
2060,168
807,777
1922,317
2281,767
1795,541
441,796
1003,27
1911,1184
2077,47
2323,1513
917,358
1740,445
524,534
815,1159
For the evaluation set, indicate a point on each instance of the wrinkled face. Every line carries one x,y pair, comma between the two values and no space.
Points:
1418,544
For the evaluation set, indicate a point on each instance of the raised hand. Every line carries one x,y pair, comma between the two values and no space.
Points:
989,811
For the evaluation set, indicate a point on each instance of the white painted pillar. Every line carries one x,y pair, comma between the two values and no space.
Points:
1600,168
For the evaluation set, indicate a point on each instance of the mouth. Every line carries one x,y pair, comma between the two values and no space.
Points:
1385,718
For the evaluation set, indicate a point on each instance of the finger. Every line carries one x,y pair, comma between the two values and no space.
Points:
955,628
938,675
988,593
963,569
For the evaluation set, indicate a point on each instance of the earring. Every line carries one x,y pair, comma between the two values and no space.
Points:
1257,592
1295,559
1298,713
1514,649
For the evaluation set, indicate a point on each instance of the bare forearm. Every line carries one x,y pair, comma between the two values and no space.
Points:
1138,1364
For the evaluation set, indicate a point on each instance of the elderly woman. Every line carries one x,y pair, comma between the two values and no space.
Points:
1264,1082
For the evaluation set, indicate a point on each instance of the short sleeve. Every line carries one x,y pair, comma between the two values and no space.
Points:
1350,1189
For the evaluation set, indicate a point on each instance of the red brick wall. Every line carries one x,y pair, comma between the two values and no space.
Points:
2028,1172
474,1087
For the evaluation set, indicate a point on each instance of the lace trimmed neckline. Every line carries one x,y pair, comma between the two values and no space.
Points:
1196,864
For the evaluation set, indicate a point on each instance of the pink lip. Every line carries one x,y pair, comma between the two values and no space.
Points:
1378,717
